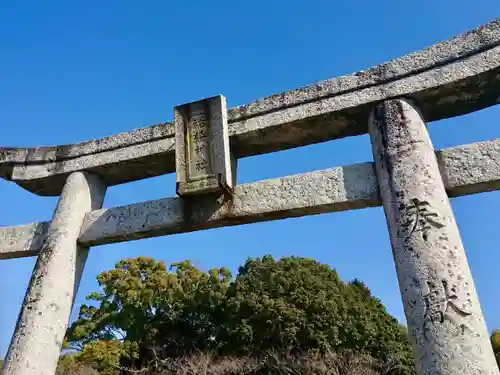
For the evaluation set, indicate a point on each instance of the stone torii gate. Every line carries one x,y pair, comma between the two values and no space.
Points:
413,182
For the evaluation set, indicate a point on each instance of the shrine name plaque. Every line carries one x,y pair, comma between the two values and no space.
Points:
203,158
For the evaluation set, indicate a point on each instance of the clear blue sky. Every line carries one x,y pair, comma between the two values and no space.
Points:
72,71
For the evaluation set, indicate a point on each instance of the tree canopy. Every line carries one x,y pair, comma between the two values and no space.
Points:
145,311
495,342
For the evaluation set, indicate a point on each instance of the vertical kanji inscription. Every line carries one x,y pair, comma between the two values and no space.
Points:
198,142
445,321
421,218
441,305
203,159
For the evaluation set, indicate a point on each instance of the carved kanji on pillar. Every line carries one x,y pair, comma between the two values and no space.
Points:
445,321
442,305
452,78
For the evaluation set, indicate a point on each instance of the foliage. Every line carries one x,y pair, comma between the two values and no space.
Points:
69,365
297,303
495,342
272,363
290,305
146,307
102,355
310,363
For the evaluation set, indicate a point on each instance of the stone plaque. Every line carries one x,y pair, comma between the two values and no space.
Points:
203,159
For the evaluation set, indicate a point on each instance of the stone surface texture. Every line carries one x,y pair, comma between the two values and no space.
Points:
410,180
451,78
203,158
44,316
22,240
305,194
444,317
469,169
481,38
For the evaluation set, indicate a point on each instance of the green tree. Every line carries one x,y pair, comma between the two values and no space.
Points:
295,304
290,305
495,342
70,365
102,355
151,310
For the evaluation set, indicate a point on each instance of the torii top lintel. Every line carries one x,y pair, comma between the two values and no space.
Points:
448,79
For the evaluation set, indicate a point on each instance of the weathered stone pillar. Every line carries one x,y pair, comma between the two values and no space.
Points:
44,317
445,321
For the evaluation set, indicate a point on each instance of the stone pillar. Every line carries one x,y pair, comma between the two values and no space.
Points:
36,344
445,322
